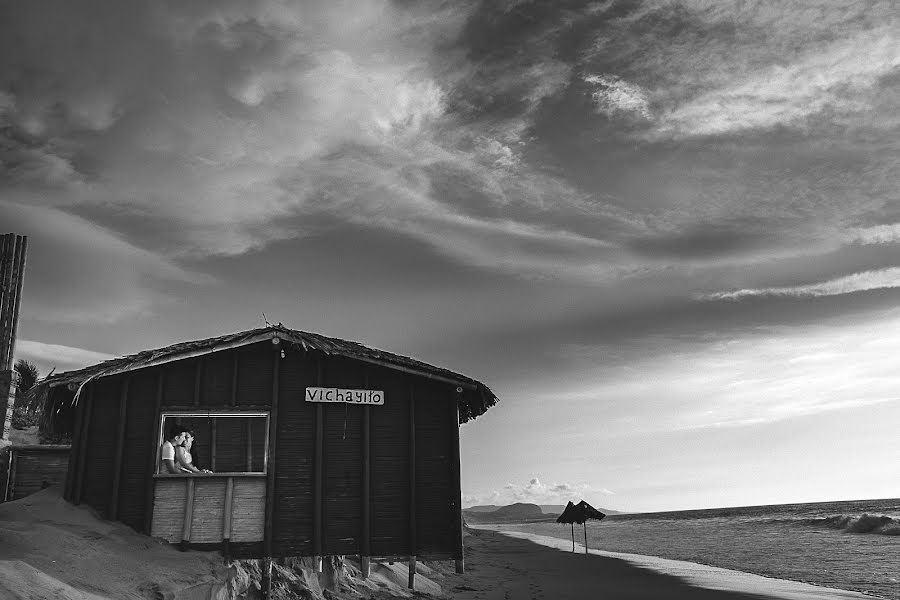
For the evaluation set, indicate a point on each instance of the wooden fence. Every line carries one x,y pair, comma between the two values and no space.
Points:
30,469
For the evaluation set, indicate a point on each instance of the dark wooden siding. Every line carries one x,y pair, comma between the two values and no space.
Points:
343,462
434,489
140,430
390,464
217,373
101,442
179,383
255,375
36,469
293,517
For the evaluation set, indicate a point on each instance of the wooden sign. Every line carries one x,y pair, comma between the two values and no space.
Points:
318,394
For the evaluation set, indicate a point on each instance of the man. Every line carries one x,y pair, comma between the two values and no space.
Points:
175,439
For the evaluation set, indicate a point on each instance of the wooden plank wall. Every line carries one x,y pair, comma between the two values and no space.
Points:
36,469
434,488
342,511
390,465
293,517
140,430
208,514
101,443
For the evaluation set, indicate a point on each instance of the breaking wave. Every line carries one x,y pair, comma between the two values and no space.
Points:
865,523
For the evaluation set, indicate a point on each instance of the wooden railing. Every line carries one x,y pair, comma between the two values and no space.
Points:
217,508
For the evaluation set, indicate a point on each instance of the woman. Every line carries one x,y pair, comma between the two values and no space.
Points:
184,458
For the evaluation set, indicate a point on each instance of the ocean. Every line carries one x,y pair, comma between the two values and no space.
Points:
846,545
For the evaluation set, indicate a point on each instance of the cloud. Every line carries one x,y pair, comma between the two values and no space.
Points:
841,77
615,97
877,234
536,492
858,282
62,358
78,272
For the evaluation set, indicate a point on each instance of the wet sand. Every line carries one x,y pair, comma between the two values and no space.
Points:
504,567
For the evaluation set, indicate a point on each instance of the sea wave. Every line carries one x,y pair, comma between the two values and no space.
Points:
865,523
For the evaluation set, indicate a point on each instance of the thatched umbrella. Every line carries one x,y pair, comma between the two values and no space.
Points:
579,513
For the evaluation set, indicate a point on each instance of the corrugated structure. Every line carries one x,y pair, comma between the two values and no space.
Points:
292,477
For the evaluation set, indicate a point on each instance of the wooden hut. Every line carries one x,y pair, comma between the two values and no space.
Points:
318,446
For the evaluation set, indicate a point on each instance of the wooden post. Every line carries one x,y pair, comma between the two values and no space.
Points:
457,482
573,535
73,453
120,450
86,440
188,514
317,476
366,487
585,538
248,459
154,454
11,476
213,442
270,464
226,519
412,486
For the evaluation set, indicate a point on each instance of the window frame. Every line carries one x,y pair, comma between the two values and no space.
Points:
208,414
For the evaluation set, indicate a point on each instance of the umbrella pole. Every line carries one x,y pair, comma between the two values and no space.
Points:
585,538
573,537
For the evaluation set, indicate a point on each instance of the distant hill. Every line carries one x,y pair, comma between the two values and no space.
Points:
482,508
520,511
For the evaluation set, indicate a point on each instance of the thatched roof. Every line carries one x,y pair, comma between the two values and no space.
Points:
579,513
475,402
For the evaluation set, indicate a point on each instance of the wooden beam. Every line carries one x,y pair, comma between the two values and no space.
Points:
7,257
86,440
188,514
456,482
226,519
154,454
120,450
19,275
271,460
412,485
366,486
73,453
317,473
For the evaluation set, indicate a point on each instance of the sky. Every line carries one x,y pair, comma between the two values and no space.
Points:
665,233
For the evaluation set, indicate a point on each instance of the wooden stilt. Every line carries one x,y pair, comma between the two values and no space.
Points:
585,538
461,566
364,566
412,572
573,537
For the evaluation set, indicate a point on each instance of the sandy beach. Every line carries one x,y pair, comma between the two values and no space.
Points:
503,566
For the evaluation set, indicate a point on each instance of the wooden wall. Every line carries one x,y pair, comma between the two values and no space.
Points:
33,468
389,478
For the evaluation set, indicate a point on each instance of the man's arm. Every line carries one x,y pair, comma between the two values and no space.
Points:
170,466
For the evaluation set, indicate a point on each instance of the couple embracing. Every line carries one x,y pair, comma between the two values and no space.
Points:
176,452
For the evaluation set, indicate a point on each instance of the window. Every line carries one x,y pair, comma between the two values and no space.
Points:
222,442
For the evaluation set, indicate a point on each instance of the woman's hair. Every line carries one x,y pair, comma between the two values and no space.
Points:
173,430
